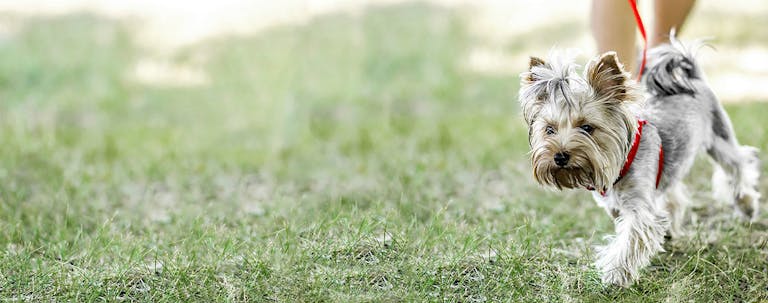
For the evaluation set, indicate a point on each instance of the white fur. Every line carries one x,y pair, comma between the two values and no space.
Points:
747,196
722,186
638,238
677,204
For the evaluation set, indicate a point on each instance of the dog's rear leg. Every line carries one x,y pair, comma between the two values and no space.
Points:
737,170
677,204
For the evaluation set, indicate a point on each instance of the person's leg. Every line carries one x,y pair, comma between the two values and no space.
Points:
668,14
613,27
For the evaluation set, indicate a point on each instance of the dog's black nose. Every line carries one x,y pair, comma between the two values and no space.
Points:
561,159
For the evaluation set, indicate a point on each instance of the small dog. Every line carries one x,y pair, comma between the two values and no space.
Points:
594,131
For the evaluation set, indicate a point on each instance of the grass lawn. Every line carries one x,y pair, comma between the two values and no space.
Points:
351,159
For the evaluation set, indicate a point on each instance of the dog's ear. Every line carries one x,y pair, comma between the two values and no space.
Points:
530,76
531,100
607,77
535,61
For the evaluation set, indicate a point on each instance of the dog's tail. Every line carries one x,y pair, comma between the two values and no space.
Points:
671,67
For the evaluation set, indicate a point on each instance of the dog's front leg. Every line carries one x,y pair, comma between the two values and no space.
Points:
640,229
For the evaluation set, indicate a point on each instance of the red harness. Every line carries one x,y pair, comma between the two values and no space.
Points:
633,153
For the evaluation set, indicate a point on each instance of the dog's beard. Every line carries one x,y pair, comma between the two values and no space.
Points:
572,177
579,173
587,167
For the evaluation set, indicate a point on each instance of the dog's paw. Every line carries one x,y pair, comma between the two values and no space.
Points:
747,204
747,198
621,277
676,231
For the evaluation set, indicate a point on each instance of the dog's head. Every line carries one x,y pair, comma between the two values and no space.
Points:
579,126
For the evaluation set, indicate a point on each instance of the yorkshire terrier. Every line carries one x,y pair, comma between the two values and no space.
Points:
596,131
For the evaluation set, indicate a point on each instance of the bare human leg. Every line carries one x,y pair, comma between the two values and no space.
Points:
613,28
668,14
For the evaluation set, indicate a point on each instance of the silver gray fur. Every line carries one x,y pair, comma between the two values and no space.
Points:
684,117
688,117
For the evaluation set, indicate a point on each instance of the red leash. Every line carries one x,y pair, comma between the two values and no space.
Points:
640,26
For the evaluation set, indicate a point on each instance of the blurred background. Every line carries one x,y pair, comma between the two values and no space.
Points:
162,29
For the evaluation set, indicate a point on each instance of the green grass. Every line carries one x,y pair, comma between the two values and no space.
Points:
351,159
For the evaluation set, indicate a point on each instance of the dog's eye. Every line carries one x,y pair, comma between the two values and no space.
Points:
587,128
550,130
